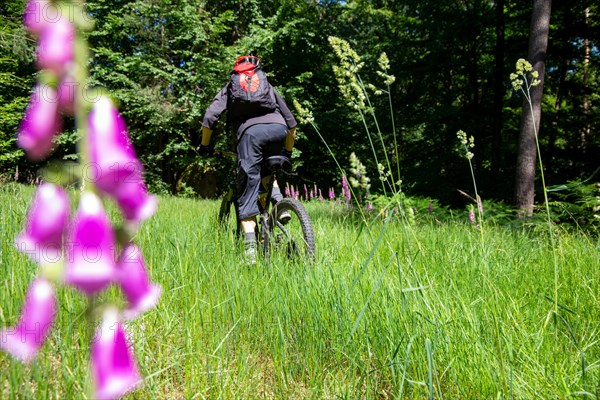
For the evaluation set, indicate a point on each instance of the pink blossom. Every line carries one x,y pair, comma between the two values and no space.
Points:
135,202
56,46
114,368
25,340
112,152
90,247
40,123
119,172
38,13
45,225
141,294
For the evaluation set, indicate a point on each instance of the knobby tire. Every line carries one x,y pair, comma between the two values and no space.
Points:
296,238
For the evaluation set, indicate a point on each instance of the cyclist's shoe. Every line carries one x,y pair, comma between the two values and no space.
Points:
284,217
250,253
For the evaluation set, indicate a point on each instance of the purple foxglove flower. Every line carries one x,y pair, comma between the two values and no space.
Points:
471,215
119,172
40,124
90,246
112,152
56,46
141,294
46,222
38,13
25,340
135,202
113,365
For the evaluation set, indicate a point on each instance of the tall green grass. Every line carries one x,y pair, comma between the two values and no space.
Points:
380,313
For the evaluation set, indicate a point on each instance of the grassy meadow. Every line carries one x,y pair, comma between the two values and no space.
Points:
387,310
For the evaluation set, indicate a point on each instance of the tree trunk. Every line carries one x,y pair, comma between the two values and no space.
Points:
586,130
498,91
526,158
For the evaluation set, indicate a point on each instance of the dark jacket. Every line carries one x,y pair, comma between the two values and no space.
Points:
281,115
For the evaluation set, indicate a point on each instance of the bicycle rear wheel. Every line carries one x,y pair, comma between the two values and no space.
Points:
295,238
228,216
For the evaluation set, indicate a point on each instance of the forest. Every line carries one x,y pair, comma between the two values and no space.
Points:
164,60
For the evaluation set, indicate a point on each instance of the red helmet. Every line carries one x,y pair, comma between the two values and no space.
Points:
245,63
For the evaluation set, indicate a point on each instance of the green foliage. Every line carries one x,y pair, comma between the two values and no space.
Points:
577,204
16,79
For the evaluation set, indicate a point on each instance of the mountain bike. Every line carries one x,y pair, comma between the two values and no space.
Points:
294,237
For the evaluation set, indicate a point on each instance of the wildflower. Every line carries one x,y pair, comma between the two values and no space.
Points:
36,15
135,202
45,225
346,193
56,46
141,294
384,65
471,215
360,178
519,78
90,247
304,114
119,172
468,142
111,149
331,193
321,196
430,208
40,124
347,73
479,205
114,368
25,340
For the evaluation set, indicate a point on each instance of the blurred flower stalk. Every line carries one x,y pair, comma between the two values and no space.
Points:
84,251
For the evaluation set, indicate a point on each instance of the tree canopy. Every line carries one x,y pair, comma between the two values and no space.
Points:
165,60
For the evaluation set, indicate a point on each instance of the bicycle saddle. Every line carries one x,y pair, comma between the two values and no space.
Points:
276,163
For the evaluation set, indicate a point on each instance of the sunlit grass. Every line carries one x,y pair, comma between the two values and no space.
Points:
410,313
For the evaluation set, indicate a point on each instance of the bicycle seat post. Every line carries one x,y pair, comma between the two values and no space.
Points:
269,189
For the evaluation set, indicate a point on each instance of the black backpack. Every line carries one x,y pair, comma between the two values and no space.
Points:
249,93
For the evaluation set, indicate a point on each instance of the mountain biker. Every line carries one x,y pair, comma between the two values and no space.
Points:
271,131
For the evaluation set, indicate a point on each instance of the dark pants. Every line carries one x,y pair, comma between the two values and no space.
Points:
256,144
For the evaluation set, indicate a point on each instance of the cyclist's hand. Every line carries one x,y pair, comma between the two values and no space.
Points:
206,151
286,153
